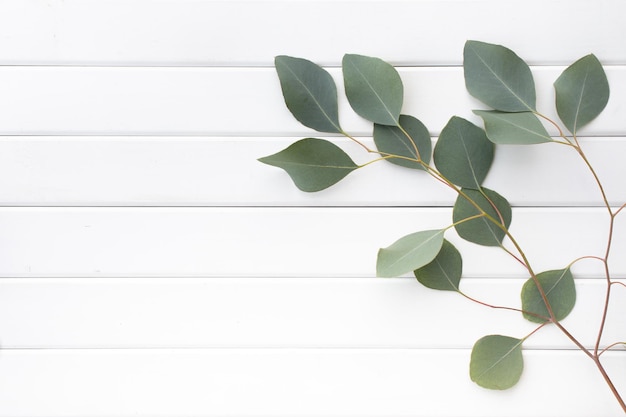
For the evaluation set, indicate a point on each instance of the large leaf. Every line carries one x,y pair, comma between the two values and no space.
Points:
444,272
560,291
409,253
374,88
582,92
463,154
393,140
482,231
521,128
313,164
496,362
310,93
498,77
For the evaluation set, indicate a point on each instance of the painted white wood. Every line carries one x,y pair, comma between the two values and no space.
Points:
300,382
185,171
234,101
277,242
193,32
282,313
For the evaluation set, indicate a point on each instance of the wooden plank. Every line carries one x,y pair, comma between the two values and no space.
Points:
177,171
276,242
232,101
281,313
301,382
192,32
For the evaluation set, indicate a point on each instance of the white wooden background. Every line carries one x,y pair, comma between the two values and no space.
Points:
150,266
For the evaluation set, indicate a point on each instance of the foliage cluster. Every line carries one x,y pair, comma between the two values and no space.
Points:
460,160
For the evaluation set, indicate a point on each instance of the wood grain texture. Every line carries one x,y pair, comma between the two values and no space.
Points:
234,101
277,242
224,171
192,32
306,313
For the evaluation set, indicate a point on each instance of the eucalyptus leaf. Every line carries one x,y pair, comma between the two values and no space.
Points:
394,140
498,77
560,290
521,128
409,253
374,88
481,230
496,362
444,272
313,164
582,92
310,93
463,154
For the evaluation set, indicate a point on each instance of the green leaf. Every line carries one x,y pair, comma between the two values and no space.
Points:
481,230
313,164
560,290
496,362
444,272
498,77
463,154
513,128
392,140
374,88
310,93
582,92
409,253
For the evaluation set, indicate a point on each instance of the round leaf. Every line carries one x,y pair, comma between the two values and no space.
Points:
310,93
496,362
409,253
392,140
313,164
498,77
482,231
374,88
560,291
513,128
463,154
582,92
444,272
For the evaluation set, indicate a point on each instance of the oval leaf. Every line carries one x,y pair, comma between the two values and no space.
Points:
313,164
409,253
392,140
444,272
498,77
463,154
560,291
374,88
310,93
513,128
497,362
481,230
582,92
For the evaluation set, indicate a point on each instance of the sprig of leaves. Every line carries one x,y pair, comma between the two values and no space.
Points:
462,158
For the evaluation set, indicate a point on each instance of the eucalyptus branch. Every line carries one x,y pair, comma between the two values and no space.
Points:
463,155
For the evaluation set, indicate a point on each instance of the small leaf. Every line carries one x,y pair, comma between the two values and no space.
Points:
409,253
374,88
513,128
560,290
463,154
481,230
498,77
444,272
582,92
497,362
310,93
313,164
392,140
